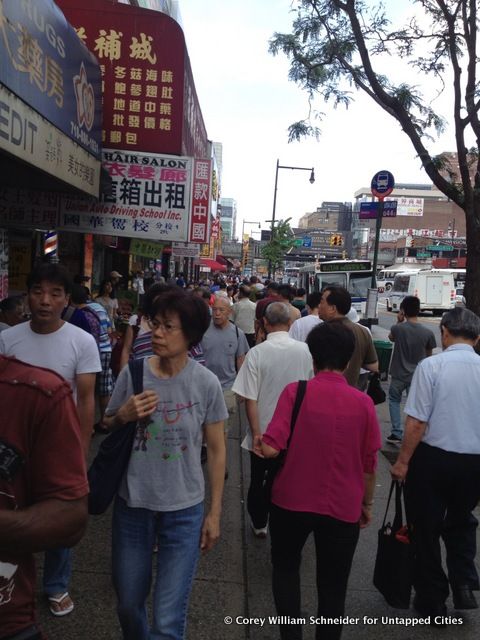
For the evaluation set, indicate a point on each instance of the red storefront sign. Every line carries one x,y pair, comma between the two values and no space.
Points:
216,228
200,219
149,99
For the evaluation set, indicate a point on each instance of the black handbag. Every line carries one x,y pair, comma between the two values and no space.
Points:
394,562
275,464
374,389
110,463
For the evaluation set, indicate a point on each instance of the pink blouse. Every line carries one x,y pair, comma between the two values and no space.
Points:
335,441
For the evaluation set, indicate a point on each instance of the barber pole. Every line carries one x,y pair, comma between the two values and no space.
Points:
50,245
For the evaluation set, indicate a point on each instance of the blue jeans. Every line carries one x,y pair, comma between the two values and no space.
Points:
397,387
57,571
134,533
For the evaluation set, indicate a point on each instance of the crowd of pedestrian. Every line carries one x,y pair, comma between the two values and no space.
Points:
300,365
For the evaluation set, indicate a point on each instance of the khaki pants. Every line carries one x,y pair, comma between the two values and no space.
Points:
231,401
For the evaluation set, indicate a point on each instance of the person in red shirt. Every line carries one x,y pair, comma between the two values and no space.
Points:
43,484
326,484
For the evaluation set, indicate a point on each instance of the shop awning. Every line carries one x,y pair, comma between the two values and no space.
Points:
212,264
223,260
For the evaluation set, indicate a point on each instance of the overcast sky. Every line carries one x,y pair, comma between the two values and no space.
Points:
248,103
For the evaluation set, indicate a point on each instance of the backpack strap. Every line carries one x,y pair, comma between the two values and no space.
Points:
67,316
301,388
136,371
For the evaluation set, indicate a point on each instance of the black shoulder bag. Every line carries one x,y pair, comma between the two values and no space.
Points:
393,565
277,463
111,462
374,390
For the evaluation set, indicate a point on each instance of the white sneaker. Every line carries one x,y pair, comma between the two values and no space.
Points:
259,533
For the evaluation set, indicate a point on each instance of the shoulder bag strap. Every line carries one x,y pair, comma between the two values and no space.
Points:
388,501
398,520
136,371
301,388
67,316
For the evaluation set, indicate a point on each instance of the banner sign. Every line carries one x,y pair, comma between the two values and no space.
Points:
200,220
149,99
29,137
48,68
150,198
185,250
215,233
22,208
409,206
146,248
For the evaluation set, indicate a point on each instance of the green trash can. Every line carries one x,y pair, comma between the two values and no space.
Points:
384,352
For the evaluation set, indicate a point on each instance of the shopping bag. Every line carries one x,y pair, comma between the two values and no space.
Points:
394,562
111,462
374,389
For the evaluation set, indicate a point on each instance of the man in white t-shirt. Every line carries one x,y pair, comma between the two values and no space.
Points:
266,371
47,341
302,327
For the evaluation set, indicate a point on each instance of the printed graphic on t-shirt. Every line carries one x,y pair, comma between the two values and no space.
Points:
170,430
7,581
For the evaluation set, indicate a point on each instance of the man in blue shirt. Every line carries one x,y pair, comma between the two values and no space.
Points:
440,463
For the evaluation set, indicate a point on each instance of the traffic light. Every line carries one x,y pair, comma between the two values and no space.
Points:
339,241
333,241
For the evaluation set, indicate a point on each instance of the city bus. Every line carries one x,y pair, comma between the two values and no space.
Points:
353,275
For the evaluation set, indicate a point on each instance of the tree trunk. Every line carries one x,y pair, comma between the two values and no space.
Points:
472,284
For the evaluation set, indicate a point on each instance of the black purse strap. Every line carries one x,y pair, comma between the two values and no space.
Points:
398,518
136,371
301,388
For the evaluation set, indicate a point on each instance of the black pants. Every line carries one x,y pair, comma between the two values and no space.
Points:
335,543
441,490
250,339
258,497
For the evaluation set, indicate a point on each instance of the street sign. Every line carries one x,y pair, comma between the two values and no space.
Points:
298,242
382,184
439,247
368,210
423,254
307,242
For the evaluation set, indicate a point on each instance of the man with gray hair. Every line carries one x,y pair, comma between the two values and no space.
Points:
440,463
266,371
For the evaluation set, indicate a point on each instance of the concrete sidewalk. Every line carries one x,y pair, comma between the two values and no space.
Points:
232,586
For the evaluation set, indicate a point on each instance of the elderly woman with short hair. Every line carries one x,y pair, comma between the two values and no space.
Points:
326,484
161,497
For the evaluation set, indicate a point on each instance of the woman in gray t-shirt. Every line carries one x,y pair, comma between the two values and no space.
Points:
160,500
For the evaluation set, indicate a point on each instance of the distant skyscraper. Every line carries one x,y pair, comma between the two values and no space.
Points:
228,217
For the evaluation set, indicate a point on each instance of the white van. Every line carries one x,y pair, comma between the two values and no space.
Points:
435,290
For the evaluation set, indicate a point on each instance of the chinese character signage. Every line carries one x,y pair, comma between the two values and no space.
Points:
29,137
143,58
185,250
150,198
47,67
200,218
215,233
26,208
409,206
146,248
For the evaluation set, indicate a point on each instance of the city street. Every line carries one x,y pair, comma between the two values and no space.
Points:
231,598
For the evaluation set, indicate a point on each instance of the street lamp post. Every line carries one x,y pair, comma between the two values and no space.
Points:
272,227
244,222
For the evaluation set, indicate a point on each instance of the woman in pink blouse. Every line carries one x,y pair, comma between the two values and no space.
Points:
326,484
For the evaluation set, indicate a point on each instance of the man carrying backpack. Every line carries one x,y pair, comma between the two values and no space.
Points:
100,328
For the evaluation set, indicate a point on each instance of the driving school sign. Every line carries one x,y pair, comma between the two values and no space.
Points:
157,197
